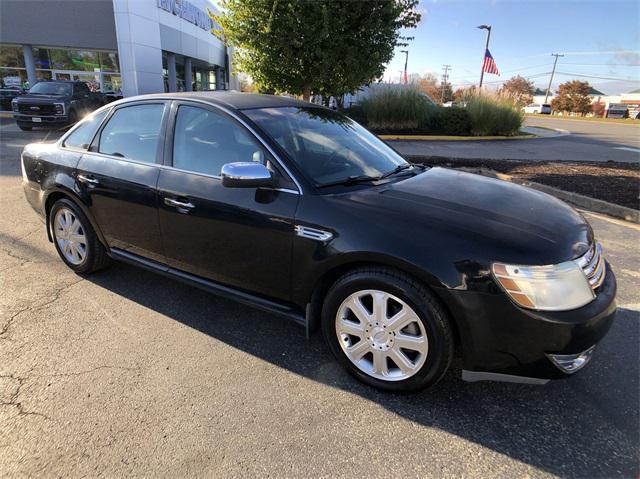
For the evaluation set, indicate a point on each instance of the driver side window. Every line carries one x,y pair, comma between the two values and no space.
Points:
204,141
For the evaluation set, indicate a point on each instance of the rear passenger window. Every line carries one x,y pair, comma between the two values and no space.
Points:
81,137
133,132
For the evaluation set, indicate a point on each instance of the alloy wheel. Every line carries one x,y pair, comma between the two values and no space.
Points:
70,236
381,335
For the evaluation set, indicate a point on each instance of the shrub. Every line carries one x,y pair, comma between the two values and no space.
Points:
395,109
491,114
455,121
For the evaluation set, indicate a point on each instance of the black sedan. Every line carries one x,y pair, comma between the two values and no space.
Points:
300,211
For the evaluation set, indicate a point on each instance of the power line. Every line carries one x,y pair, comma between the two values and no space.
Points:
598,77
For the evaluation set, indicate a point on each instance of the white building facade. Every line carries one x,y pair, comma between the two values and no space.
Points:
128,46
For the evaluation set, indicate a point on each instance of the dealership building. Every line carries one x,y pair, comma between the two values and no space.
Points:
127,46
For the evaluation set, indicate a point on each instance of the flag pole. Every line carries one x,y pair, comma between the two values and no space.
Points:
486,48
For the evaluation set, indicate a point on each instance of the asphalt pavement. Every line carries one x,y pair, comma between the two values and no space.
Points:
580,141
128,373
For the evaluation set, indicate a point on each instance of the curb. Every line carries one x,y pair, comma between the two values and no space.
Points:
591,204
527,136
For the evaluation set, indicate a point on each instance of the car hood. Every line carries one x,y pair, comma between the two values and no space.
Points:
520,224
40,98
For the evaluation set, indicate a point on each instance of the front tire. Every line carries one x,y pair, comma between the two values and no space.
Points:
387,330
74,238
25,127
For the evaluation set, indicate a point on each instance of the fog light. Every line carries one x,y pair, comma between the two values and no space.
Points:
570,363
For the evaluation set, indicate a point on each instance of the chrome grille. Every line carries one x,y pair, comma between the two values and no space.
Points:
592,265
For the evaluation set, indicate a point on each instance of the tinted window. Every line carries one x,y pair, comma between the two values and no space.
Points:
326,145
204,141
81,137
133,132
51,88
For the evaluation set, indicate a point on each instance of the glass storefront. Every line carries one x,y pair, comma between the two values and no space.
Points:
100,69
203,76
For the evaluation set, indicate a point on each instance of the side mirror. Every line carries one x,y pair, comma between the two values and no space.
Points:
246,175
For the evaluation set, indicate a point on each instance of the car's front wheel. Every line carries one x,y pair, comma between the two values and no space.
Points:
25,127
74,238
387,330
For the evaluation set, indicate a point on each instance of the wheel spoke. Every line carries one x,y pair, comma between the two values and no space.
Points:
354,329
401,319
78,238
380,362
402,361
415,343
358,309
75,226
380,306
358,350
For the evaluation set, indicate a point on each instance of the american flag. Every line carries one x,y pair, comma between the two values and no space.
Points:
489,65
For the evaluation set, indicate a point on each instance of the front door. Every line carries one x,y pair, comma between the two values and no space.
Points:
240,237
120,174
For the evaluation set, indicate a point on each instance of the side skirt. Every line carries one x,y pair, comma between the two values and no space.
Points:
210,286
473,376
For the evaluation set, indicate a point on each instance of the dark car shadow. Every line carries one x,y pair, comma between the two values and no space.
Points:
558,427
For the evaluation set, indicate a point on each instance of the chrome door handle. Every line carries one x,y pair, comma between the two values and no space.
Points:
88,180
178,204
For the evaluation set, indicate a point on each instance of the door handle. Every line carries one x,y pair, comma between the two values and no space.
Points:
88,179
180,205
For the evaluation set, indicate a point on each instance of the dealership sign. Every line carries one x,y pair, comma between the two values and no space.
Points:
188,11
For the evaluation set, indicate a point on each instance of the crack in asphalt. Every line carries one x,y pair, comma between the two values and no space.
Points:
13,399
4,331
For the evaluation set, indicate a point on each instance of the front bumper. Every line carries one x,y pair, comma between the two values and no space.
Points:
44,120
500,338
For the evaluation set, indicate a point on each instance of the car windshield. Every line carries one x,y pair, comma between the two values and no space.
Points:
51,88
327,146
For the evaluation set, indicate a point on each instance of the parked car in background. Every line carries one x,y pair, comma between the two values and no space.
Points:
298,210
540,108
7,95
54,104
110,96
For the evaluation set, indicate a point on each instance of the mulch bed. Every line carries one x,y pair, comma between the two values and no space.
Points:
615,182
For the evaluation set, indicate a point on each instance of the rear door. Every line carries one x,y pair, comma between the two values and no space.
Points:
237,236
119,176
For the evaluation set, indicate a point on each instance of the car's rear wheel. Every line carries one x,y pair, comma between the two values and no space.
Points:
387,330
74,238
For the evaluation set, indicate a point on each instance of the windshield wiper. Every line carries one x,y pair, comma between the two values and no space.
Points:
397,169
352,180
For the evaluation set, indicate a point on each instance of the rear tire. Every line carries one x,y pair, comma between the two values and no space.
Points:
74,238
403,344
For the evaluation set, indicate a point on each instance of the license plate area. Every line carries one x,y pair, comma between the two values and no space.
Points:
35,119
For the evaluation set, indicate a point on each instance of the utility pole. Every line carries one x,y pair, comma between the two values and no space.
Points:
484,54
552,73
445,77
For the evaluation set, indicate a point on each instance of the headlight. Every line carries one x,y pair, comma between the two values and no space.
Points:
59,108
14,105
549,288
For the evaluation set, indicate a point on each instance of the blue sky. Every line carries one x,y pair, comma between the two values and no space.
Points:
599,39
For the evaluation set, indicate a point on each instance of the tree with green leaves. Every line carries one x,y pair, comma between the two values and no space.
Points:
329,47
573,96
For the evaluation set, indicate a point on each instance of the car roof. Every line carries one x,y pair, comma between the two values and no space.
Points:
233,99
